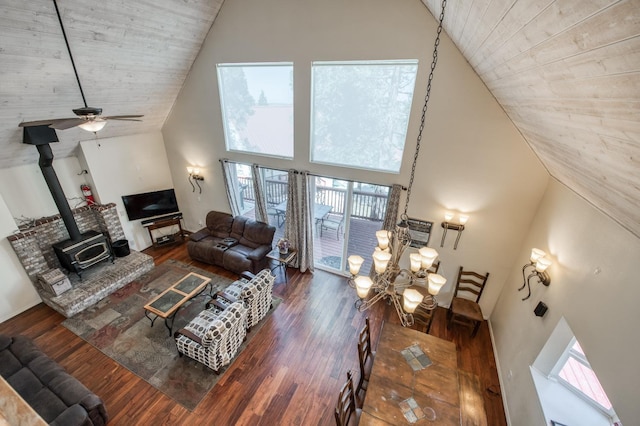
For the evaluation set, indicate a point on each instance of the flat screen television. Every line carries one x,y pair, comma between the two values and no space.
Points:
150,204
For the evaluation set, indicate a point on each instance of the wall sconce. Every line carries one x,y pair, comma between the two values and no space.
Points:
194,176
459,226
539,262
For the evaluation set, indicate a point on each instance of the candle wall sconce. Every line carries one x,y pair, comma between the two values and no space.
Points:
538,262
195,176
456,226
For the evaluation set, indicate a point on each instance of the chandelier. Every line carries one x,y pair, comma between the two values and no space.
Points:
391,282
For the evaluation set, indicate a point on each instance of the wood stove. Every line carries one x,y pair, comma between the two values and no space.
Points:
80,251
78,255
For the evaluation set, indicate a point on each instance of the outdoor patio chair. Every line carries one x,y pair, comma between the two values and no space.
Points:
332,222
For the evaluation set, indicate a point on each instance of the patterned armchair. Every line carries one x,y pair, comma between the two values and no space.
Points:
254,290
214,335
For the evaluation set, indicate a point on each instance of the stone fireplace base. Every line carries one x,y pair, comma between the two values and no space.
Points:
98,282
34,247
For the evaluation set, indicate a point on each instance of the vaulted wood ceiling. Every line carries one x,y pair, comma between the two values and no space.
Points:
567,72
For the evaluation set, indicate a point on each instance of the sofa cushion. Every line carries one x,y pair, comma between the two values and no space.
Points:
236,259
207,250
46,369
24,349
257,234
237,229
47,404
24,382
74,415
201,234
9,364
219,223
5,342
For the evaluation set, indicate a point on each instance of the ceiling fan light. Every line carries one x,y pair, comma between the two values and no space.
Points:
93,125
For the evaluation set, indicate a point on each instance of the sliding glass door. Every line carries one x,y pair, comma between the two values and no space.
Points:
346,216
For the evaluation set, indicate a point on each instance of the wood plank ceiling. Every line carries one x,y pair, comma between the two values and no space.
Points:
132,58
567,72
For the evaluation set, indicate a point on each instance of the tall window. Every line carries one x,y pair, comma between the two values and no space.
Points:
360,112
257,107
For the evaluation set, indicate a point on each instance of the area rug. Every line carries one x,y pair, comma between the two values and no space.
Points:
118,327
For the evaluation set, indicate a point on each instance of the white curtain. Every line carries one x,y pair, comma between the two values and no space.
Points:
231,184
299,224
259,195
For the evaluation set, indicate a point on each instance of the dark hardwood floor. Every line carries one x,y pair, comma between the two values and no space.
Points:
289,374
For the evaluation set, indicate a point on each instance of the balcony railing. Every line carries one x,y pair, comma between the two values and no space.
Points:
366,204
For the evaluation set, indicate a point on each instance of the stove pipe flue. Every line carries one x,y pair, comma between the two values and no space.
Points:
40,136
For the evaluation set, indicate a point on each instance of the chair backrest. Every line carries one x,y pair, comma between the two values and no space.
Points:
364,345
470,285
434,267
346,406
423,315
256,293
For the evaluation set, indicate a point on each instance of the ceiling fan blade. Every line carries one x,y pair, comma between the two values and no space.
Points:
67,124
121,117
42,122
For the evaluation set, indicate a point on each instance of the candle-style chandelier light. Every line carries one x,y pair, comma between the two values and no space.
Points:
390,281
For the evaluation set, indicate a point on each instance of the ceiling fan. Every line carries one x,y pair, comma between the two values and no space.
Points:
88,118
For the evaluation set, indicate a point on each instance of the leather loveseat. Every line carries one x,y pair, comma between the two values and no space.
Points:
235,243
59,398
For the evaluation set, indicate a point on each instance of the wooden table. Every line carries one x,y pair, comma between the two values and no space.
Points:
392,379
319,211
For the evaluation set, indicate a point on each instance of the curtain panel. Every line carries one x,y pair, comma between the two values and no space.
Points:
259,194
231,185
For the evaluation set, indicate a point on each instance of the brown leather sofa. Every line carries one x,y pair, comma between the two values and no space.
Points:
236,244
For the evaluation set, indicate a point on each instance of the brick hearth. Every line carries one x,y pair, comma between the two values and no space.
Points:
33,246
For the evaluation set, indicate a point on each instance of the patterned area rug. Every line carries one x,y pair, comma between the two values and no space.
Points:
118,327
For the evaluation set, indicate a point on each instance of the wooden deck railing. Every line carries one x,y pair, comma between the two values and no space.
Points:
366,204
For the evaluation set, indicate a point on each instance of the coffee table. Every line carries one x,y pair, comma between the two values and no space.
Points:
167,303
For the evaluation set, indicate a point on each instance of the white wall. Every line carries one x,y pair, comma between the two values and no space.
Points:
472,159
24,195
594,285
127,165
16,292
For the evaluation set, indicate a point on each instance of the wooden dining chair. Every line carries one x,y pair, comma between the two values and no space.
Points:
464,307
423,315
365,357
347,412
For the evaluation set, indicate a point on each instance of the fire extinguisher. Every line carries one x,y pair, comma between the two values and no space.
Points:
88,195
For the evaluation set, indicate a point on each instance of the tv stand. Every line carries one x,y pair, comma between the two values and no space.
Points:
164,223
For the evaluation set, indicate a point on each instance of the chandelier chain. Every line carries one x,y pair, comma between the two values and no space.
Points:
426,102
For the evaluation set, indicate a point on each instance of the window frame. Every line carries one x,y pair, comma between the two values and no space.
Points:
571,353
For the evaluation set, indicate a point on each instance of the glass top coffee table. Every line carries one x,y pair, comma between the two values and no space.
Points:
167,303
